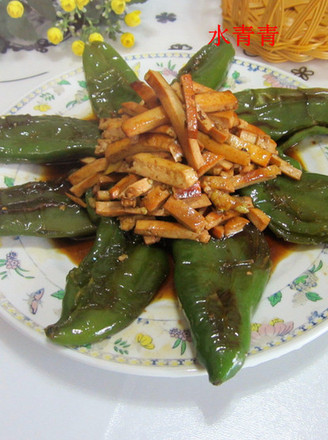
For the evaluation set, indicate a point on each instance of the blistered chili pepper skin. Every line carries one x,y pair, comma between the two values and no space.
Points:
219,285
280,112
115,292
109,244
298,209
42,209
210,65
301,135
46,139
108,78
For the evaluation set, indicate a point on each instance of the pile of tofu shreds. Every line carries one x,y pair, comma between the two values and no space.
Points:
171,166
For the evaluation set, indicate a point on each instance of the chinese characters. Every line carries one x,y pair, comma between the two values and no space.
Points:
243,34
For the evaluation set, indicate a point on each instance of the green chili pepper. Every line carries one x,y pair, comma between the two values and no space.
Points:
90,201
109,244
298,209
46,139
108,79
42,209
210,65
114,292
301,135
281,112
219,285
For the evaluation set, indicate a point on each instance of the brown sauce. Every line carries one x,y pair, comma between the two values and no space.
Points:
294,153
167,290
279,249
76,250
57,171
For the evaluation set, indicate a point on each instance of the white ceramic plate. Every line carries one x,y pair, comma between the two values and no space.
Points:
292,312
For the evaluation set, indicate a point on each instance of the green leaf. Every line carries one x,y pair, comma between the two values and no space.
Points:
59,294
183,347
235,75
171,66
47,96
71,103
312,296
9,181
315,269
63,82
44,7
301,279
82,84
275,298
177,343
21,269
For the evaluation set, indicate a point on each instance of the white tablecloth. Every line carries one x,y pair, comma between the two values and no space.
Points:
46,396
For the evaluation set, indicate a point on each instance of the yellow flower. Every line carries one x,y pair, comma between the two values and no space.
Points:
68,5
127,39
95,36
255,326
78,47
132,19
118,6
15,9
81,3
145,341
55,35
275,321
42,107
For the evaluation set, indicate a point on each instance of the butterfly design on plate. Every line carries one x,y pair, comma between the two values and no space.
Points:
35,299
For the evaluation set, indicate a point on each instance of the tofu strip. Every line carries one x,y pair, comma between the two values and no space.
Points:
172,165
163,170
159,228
176,113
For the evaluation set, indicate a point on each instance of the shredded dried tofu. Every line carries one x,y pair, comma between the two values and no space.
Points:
171,166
